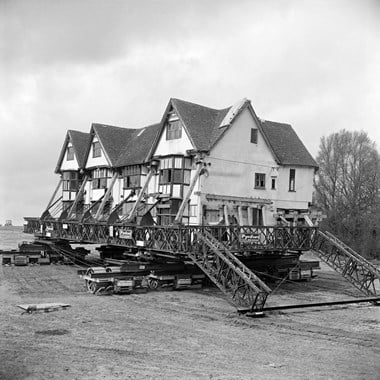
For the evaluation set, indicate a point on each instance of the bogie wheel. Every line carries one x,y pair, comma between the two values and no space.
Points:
88,285
153,283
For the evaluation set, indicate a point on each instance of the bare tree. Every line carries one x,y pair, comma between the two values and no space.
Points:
347,188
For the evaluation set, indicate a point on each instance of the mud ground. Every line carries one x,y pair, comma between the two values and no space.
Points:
183,334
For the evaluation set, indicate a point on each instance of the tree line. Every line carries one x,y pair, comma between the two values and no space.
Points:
347,190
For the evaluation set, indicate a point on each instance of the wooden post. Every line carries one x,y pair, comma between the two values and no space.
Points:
76,200
106,197
240,213
178,217
250,217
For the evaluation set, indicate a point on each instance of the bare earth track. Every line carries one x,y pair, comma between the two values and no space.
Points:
187,334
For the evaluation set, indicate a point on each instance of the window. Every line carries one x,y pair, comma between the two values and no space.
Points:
292,180
99,178
70,181
132,177
174,173
259,181
70,153
174,130
253,136
273,183
96,149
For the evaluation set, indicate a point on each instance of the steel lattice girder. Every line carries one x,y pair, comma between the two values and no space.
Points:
362,274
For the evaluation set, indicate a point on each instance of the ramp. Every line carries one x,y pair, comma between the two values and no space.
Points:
241,286
353,267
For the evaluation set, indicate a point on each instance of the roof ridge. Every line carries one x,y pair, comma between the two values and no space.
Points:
197,104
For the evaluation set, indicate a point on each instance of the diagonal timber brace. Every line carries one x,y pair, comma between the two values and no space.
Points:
140,196
181,210
106,197
78,197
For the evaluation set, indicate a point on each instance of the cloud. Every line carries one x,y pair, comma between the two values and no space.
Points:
70,63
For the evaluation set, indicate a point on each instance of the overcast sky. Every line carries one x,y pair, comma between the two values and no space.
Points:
66,64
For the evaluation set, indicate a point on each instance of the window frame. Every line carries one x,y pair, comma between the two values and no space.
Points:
260,181
292,180
99,178
173,130
254,135
132,177
70,181
96,149
70,154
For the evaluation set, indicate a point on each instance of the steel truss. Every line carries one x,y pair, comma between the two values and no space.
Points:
344,260
241,286
178,239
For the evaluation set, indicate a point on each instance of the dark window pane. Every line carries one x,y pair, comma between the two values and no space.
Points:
253,135
292,180
96,149
177,176
259,180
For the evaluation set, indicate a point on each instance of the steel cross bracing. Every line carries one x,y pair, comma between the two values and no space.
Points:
241,286
357,270
178,238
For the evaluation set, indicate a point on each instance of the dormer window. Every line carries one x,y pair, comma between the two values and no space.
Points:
96,149
174,130
70,153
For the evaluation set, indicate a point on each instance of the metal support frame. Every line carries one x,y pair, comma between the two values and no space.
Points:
106,197
344,260
241,286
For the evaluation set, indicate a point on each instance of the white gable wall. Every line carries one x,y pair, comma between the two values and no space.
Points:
96,161
235,160
66,164
176,146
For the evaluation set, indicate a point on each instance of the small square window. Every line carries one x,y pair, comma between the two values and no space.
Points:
174,130
253,135
259,180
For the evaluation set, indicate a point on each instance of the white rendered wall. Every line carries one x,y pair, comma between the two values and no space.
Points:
235,160
66,164
302,195
176,146
96,161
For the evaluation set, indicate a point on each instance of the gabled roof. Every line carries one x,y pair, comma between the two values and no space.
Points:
139,146
202,123
286,145
80,142
112,139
